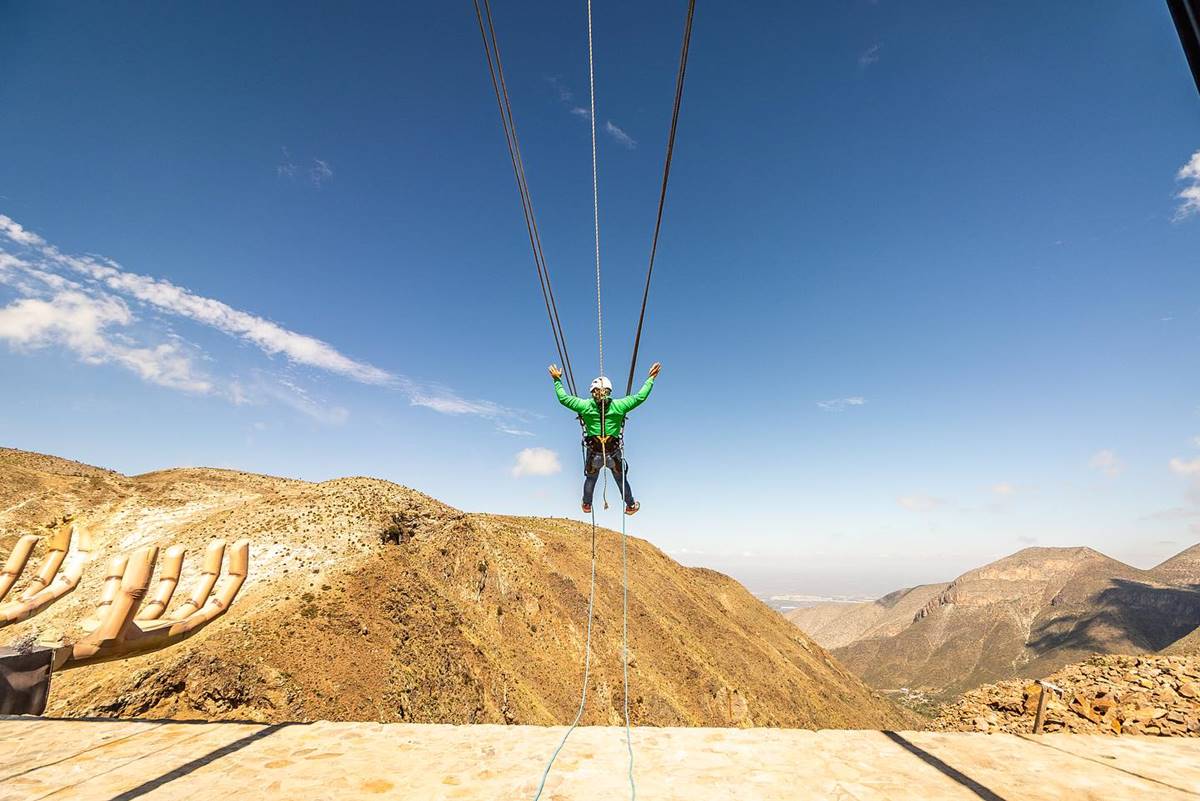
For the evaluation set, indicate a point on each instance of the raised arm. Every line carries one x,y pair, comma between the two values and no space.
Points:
631,402
573,403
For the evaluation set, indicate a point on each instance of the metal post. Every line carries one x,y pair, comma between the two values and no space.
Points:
1040,717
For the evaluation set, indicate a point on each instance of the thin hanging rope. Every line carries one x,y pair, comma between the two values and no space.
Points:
662,196
491,49
625,625
587,663
595,186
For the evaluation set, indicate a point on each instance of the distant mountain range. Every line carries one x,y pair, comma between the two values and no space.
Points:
1028,614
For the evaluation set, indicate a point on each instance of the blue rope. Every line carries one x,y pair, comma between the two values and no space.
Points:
587,659
587,663
625,626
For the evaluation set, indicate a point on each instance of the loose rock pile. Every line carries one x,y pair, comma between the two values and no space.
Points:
1155,695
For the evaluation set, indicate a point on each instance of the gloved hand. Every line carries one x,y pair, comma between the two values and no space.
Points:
655,369
555,373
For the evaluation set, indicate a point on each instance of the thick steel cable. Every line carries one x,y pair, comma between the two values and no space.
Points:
595,186
662,196
524,183
500,88
1186,14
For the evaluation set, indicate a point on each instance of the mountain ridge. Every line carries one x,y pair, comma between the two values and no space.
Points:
367,600
1029,613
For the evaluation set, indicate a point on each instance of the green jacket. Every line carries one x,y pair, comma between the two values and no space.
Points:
615,411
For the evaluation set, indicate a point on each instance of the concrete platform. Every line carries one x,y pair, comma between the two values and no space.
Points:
125,760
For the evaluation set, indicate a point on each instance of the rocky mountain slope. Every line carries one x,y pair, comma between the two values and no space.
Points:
835,625
1158,695
1182,568
1028,614
370,601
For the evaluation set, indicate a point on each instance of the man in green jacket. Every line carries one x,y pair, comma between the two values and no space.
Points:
603,421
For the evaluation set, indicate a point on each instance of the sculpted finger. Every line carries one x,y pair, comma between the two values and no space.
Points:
164,589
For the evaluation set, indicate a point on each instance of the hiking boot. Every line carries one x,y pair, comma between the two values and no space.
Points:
633,510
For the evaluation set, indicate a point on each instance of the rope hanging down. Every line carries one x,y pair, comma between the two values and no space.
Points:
491,50
662,197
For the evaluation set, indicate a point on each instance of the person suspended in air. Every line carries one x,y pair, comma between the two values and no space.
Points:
604,421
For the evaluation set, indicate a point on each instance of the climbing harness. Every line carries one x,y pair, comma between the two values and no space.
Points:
500,88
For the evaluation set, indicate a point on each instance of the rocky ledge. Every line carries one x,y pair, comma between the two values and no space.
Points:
1154,695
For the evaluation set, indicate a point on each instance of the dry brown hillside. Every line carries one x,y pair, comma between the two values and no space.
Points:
1028,614
370,601
1182,568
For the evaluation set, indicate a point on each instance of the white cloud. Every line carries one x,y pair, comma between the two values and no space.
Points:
13,231
165,296
580,111
869,56
505,428
919,503
841,404
1184,467
1106,462
286,168
1004,488
1190,194
83,325
536,462
625,140
320,172
565,95
88,313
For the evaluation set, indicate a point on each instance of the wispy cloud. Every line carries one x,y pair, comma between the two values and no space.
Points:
1174,513
625,140
841,404
565,95
83,304
1189,196
567,98
1185,467
87,326
1106,462
317,173
536,462
286,168
869,56
919,503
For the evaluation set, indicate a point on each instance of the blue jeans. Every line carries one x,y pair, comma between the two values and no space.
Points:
594,461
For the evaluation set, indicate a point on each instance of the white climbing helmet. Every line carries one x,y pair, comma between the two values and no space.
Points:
602,383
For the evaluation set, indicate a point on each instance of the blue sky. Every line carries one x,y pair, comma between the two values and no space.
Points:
927,291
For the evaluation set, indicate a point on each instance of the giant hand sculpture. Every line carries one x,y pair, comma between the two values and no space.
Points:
122,624
122,627
47,584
